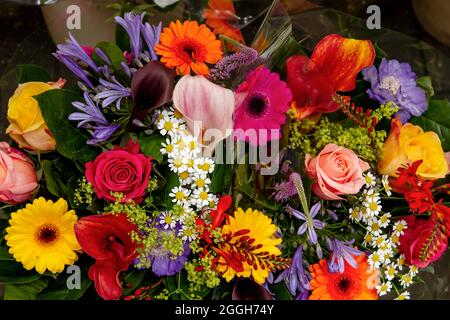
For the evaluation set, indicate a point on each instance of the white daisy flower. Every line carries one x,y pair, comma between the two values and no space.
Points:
400,262
204,165
167,220
399,227
188,233
368,238
405,295
201,182
371,195
373,206
385,220
379,241
185,178
390,271
375,260
413,270
386,186
167,147
178,164
166,124
369,180
373,225
201,198
355,214
406,280
384,288
180,195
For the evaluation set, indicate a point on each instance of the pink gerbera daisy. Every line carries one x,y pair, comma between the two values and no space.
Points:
261,102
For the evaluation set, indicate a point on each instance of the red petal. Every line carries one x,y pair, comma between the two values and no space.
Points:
105,274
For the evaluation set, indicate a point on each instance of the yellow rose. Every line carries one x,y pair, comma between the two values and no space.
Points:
409,143
26,124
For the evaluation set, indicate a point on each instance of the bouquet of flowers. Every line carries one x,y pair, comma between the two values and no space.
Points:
184,164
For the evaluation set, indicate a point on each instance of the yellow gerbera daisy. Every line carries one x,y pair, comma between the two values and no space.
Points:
42,236
249,247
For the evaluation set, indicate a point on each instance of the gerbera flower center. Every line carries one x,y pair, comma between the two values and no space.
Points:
257,105
190,50
344,285
47,234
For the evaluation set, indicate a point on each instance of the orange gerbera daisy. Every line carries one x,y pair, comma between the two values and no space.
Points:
221,17
352,284
189,46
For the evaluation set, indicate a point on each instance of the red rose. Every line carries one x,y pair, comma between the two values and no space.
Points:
123,170
423,242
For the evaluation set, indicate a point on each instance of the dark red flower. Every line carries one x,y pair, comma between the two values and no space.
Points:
333,67
424,241
106,238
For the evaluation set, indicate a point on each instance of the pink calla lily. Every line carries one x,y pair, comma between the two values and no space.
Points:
207,108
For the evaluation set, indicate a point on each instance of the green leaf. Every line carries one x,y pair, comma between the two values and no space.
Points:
4,255
133,281
436,119
221,178
172,181
27,291
53,180
56,106
113,52
151,145
31,72
426,84
13,272
280,291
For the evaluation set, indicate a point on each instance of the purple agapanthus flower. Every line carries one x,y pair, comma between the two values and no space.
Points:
132,24
396,82
296,277
73,50
92,118
227,66
74,68
151,37
102,55
342,250
163,262
310,225
112,92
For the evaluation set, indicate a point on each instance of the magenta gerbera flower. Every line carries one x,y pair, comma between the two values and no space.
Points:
261,102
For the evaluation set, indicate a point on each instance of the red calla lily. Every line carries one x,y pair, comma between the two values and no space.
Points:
333,67
106,238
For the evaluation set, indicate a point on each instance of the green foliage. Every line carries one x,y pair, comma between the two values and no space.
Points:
25,291
221,178
151,145
53,180
427,85
12,272
436,119
56,106
113,52
31,72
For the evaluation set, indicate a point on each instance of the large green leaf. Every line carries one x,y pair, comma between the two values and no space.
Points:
31,72
221,178
151,145
53,179
437,119
56,106
26,291
13,272
4,254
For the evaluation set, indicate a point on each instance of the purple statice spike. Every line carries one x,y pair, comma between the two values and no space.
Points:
112,92
91,117
132,24
342,250
102,55
73,50
225,68
396,82
295,277
151,37
74,68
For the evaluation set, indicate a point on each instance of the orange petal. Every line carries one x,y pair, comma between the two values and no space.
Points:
341,59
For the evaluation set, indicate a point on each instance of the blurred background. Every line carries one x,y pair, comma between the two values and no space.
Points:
415,31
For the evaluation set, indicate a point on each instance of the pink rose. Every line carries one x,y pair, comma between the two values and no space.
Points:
17,176
122,170
335,171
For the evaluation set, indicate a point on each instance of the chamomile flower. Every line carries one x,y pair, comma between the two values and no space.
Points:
406,280
355,214
375,260
204,165
177,164
372,206
187,233
399,227
167,147
413,270
185,178
167,124
368,238
384,288
390,271
369,180
201,182
400,261
180,195
371,195
373,225
167,220
395,239
405,295
379,241
201,198
384,220
385,182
